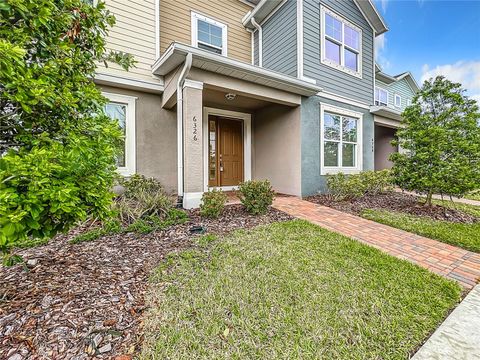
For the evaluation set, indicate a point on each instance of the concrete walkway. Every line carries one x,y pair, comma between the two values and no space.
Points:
447,260
446,198
458,338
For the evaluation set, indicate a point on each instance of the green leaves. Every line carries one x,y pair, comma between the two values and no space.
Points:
441,139
58,147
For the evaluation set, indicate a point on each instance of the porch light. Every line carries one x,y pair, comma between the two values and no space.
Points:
230,96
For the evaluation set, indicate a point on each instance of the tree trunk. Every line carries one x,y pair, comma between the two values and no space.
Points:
429,198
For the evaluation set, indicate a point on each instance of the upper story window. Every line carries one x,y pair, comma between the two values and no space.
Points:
398,100
209,34
381,97
341,43
409,102
122,109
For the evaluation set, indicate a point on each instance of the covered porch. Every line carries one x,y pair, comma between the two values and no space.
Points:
238,122
387,122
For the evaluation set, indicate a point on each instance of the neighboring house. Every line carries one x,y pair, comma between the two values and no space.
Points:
392,95
232,90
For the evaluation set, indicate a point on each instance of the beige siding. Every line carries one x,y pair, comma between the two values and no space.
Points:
134,33
175,23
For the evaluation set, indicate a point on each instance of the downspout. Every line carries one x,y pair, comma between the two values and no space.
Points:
260,40
180,82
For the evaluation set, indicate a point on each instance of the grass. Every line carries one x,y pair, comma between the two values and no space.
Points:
466,236
291,291
474,195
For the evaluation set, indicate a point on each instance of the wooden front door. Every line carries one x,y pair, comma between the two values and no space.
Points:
225,151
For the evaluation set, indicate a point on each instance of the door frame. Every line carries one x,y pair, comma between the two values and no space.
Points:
247,143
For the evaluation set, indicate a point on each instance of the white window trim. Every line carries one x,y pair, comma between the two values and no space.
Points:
130,156
325,170
374,95
324,60
194,21
399,101
408,102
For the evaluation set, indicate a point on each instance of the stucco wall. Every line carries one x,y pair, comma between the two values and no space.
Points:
383,147
276,133
156,135
312,181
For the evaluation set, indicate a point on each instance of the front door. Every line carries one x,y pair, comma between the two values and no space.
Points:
225,151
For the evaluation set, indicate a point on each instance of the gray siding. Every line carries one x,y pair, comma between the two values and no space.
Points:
401,88
333,80
312,181
280,40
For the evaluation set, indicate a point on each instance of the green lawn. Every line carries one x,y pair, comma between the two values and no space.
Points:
466,236
291,291
474,195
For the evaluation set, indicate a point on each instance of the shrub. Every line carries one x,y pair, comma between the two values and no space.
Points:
213,203
151,223
256,196
348,187
142,197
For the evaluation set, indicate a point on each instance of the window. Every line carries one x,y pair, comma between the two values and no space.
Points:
340,140
381,97
208,34
398,100
122,109
409,102
341,43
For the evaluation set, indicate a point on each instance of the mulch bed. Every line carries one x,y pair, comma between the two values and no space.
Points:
395,201
86,300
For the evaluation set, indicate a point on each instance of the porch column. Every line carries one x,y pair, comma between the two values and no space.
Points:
193,143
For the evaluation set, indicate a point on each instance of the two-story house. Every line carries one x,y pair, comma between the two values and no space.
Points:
230,90
392,95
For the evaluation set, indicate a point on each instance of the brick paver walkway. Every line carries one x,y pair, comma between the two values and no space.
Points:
447,260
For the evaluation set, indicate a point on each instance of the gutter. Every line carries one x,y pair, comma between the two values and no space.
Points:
181,80
260,41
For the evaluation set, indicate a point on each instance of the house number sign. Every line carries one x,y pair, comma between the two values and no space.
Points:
195,129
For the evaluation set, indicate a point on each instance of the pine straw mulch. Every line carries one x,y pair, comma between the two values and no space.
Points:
395,201
79,301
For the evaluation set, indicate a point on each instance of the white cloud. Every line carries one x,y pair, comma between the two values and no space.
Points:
466,73
380,47
384,4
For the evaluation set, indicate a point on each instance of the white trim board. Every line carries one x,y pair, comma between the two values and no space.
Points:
247,141
130,140
345,100
325,170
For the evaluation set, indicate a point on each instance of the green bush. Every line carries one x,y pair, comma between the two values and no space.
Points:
256,196
213,203
142,197
348,187
151,223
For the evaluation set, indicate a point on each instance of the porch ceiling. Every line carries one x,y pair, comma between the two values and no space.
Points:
216,98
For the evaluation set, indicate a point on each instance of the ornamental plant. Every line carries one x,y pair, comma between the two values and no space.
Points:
57,146
256,196
441,142
212,204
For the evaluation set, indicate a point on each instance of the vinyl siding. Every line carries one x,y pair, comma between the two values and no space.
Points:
333,80
401,88
134,33
280,40
175,23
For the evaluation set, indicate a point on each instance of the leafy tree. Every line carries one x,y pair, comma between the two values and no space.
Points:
441,139
57,146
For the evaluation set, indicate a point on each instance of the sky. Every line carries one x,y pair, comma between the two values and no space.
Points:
432,37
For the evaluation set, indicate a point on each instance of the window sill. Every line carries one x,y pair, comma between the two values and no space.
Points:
337,170
342,68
